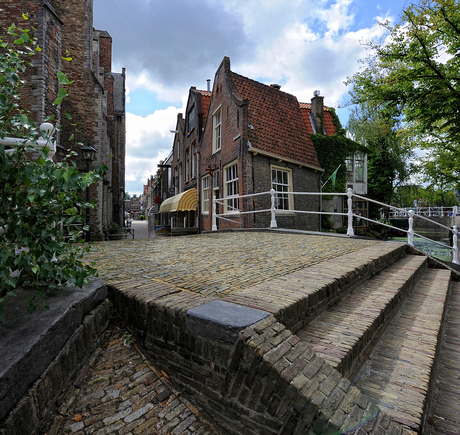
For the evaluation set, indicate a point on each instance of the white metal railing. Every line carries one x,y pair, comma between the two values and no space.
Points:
47,130
425,211
350,215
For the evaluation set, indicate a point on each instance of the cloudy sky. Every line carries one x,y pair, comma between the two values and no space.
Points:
167,46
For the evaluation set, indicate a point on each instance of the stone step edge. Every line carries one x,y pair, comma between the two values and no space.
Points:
430,380
339,285
431,409
325,284
363,346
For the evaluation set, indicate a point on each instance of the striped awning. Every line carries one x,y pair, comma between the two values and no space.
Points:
184,201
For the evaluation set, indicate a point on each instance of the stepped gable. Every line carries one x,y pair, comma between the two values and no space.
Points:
205,101
327,119
277,121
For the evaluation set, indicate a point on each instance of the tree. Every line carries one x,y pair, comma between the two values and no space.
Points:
41,215
388,153
440,185
414,73
415,70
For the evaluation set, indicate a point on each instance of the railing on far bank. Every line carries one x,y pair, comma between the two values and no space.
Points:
425,211
350,215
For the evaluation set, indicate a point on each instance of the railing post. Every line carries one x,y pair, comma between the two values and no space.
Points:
410,234
350,231
214,218
455,246
273,223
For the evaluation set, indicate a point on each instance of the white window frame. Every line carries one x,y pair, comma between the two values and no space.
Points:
282,186
205,194
231,187
217,130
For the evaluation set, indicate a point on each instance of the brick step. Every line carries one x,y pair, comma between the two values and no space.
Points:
343,335
398,373
443,414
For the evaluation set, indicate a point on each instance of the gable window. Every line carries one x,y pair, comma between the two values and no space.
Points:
205,194
281,182
231,187
191,119
216,130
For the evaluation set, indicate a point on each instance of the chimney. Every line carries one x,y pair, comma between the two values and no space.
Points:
208,84
317,111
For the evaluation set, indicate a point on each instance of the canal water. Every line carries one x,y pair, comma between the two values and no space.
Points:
428,247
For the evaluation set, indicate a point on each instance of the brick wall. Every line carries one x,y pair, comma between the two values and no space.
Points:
266,382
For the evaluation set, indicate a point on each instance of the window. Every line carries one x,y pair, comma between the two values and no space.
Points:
176,182
180,178
177,150
281,183
205,196
193,161
216,130
187,164
231,187
191,119
359,167
349,167
216,180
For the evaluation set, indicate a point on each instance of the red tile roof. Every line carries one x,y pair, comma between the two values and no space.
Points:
205,100
276,120
327,119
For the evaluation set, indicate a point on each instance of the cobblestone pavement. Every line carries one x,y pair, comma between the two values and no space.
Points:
120,392
140,229
213,264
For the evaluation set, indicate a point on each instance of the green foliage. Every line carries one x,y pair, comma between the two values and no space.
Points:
414,75
332,152
41,220
389,155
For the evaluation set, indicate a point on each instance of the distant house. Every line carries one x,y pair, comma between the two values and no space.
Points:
181,202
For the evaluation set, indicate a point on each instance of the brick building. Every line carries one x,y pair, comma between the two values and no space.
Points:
255,139
95,102
243,137
184,162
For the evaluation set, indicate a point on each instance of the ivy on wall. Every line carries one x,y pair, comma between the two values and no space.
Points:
332,152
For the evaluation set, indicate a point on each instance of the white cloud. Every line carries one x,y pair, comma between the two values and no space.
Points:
148,140
301,44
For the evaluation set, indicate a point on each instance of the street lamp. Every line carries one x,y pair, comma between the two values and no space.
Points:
88,154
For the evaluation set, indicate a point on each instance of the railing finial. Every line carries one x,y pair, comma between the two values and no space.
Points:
455,246
273,223
350,231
